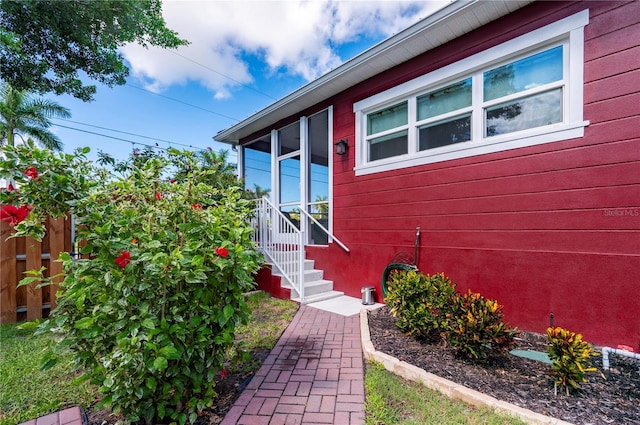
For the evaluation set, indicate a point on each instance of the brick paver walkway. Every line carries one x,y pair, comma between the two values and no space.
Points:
70,416
314,375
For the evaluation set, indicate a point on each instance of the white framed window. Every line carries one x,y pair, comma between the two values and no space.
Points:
524,92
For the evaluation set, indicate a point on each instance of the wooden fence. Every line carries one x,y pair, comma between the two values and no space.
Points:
20,254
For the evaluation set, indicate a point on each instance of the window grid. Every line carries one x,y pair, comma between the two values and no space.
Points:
478,108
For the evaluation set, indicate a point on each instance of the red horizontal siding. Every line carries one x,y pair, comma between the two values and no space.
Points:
617,63
547,228
611,87
600,242
618,218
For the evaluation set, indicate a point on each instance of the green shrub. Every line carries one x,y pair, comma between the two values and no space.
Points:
476,329
152,308
421,302
570,356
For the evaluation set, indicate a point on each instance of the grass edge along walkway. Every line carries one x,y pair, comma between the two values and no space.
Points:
392,400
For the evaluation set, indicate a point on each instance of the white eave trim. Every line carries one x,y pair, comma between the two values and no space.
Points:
371,62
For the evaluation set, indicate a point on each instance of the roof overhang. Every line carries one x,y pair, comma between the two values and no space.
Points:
446,24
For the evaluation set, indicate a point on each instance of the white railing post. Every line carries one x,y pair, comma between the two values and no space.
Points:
282,243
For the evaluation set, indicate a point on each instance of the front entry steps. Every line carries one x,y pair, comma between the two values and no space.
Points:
316,288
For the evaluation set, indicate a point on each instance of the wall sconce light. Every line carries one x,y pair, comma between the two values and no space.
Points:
341,147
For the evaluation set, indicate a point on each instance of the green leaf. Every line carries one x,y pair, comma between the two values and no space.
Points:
160,363
160,410
108,382
227,312
151,383
170,352
84,323
148,323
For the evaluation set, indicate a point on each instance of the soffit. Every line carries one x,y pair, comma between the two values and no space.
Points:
446,24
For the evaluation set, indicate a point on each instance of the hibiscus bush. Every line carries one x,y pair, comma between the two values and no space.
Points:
152,306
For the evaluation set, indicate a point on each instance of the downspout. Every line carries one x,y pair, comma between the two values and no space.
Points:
608,350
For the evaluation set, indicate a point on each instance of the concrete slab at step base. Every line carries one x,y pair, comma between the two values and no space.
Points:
444,386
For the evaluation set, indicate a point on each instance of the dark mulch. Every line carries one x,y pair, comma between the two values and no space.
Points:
611,397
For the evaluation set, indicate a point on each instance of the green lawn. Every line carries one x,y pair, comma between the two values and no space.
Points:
392,400
25,391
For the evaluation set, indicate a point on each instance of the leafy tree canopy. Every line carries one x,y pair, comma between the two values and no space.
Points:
45,43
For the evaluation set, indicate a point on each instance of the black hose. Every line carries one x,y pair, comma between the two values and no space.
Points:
387,272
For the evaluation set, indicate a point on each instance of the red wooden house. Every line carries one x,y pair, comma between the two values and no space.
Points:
508,131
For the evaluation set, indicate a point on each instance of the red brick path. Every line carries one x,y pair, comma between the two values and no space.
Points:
314,375
71,416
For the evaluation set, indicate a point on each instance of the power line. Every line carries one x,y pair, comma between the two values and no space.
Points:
127,140
223,75
121,132
184,103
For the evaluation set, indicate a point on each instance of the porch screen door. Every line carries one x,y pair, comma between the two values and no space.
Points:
302,174
289,172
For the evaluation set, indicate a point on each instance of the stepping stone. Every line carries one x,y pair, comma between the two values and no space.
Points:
539,356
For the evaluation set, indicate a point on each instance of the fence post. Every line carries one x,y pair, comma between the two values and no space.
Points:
8,272
56,246
33,250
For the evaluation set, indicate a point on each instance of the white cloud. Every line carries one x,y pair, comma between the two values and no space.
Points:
300,38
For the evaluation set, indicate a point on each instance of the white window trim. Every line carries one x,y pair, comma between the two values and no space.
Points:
568,31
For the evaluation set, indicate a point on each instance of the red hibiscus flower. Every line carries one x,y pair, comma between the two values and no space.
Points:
13,215
223,374
158,196
31,172
222,251
123,259
196,206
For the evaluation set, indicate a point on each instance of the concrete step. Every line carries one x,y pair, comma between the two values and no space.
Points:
313,275
308,299
312,288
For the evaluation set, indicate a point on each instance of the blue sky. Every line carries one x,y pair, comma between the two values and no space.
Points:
243,56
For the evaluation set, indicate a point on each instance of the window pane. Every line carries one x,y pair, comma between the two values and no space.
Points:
444,133
527,73
529,112
290,180
320,212
289,139
292,213
388,146
387,119
450,98
257,166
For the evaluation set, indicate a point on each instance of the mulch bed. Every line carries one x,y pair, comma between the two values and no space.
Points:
611,397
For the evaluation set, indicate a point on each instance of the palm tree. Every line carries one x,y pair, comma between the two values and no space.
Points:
259,192
23,114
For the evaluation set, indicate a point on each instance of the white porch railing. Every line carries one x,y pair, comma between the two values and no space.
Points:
281,242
